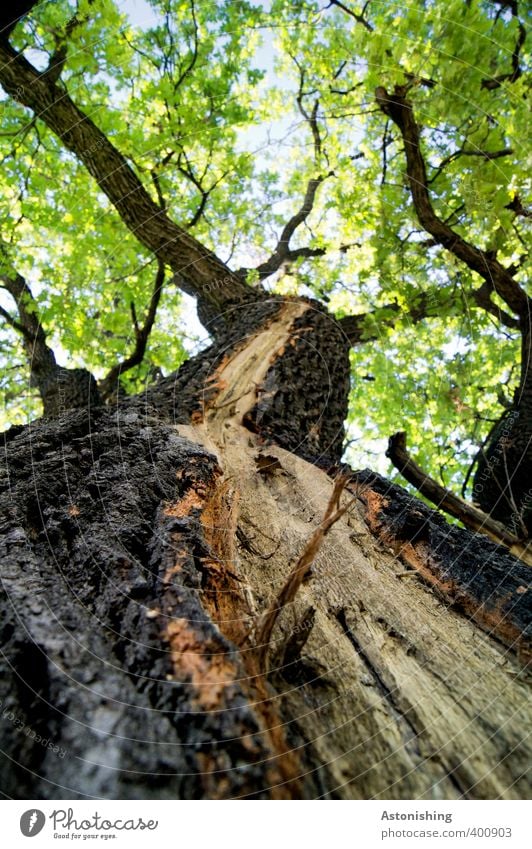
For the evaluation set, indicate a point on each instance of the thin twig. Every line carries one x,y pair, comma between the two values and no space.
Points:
300,570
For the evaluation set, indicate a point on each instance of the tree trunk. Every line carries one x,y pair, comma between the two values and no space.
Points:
502,483
142,544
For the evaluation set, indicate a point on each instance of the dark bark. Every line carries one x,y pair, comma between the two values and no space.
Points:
468,570
11,13
107,650
502,485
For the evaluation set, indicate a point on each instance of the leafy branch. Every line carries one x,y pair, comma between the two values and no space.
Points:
108,385
399,109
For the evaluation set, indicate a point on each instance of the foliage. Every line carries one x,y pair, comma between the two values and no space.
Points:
226,110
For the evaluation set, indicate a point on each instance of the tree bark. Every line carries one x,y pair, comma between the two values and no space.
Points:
143,543
502,483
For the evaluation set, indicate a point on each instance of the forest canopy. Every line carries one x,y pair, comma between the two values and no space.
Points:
273,133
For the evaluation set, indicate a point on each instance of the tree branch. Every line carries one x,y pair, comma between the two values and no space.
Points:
187,171
282,253
12,322
450,503
60,388
194,265
516,205
11,13
495,82
194,57
482,298
108,385
423,306
359,18
41,358
484,154
59,57
399,109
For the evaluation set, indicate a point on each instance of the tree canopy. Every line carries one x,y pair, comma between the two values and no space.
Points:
370,156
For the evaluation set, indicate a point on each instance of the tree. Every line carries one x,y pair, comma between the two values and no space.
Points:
201,599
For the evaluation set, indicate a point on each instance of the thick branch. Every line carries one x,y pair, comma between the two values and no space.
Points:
422,306
516,205
41,359
11,13
60,388
355,327
399,109
483,300
195,266
283,253
450,503
59,57
109,383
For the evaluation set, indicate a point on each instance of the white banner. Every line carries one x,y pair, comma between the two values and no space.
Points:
256,825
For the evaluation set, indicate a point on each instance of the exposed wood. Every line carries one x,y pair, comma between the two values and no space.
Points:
300,571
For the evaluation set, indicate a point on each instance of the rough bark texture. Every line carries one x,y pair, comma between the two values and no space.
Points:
502,484
141,546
